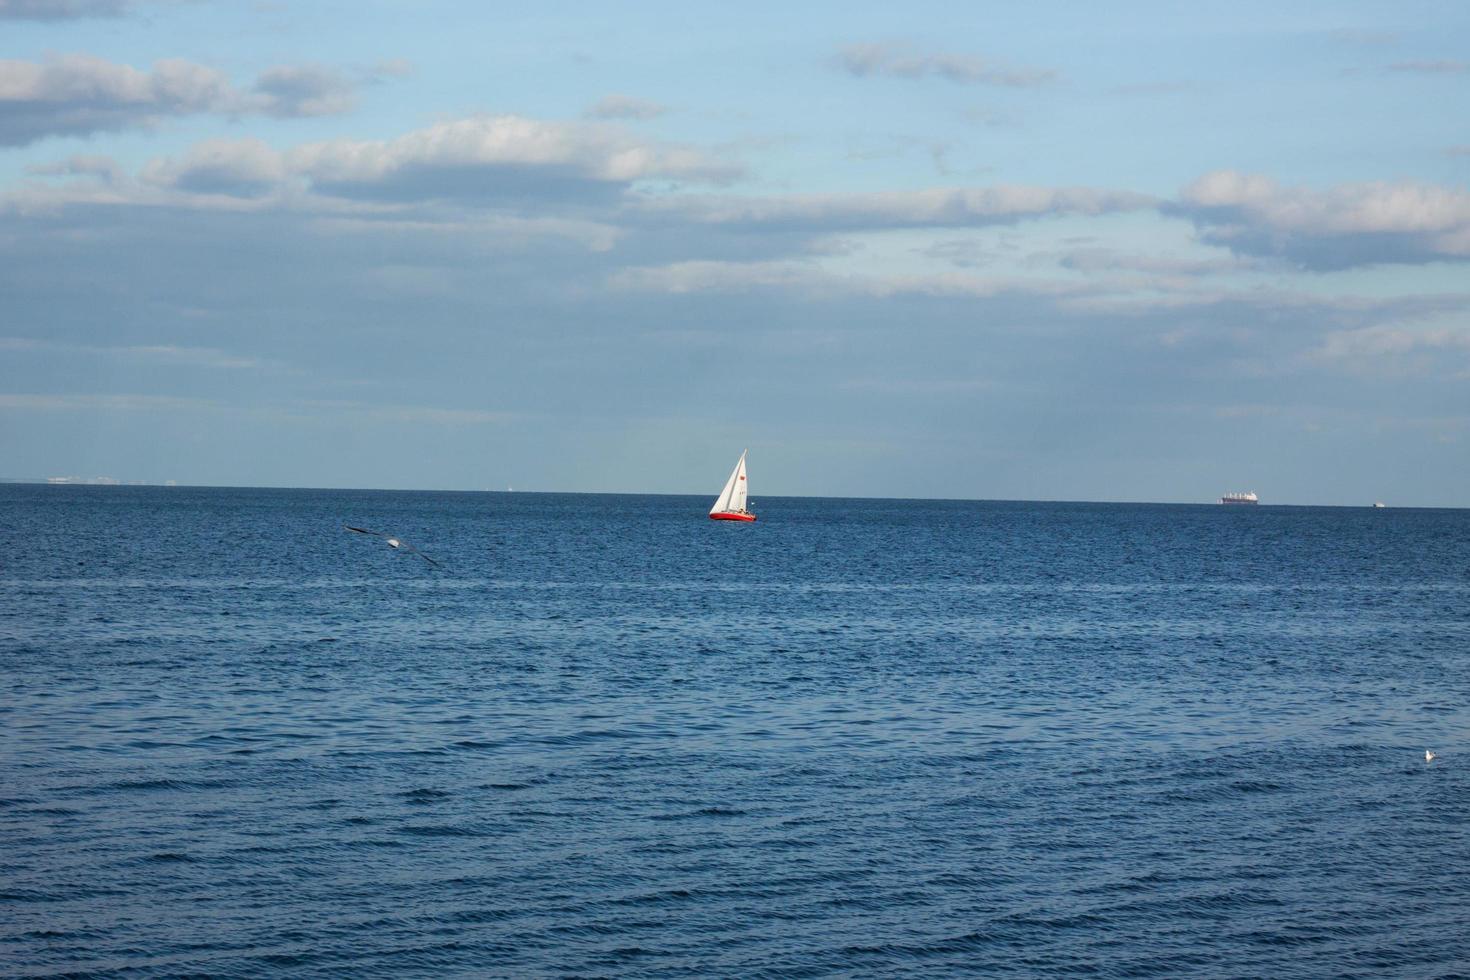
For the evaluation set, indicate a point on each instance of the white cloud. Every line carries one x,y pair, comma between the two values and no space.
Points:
934,207
483,165
586,152
1350,224
1369,207
80,94
897,60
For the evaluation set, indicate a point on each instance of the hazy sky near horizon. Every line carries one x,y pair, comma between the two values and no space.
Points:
1043,251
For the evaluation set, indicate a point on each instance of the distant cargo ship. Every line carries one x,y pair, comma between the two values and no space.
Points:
1240,498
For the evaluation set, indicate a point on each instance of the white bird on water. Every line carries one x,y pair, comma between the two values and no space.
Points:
397,544
1429,756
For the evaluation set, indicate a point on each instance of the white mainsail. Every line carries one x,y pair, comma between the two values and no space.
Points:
732,498
737,496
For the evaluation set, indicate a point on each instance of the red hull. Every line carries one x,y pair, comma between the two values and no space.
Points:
731,515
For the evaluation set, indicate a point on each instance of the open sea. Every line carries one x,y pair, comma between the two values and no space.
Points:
606,736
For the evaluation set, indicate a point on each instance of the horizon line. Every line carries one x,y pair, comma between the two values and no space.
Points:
20,481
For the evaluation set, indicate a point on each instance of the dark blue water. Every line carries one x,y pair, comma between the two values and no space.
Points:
607,736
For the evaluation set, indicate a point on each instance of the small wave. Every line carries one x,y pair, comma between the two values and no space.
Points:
440,830
708,811
587,737
477,916
664,896
1256,786
471,743
159,784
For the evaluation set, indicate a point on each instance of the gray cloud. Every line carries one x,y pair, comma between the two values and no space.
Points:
246,168
292,91
897,60
1343,226
1369,343
168,354
74,95
105,403
81,165
812,278
534,325
493,160
1359,37
1263,308
1097,259
626,107
1158,88
589,182
78,95
392,68
60,9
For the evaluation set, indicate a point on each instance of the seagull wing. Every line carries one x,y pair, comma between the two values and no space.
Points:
402,545
405,546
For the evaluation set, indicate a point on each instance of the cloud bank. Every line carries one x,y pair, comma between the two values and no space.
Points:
934,207
79,95
1343,226
500,154
506,162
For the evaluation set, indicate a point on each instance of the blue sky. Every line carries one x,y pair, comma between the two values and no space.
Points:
1000,251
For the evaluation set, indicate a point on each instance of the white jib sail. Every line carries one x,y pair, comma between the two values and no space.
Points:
733,496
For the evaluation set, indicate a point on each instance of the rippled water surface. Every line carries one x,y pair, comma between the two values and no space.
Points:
606,736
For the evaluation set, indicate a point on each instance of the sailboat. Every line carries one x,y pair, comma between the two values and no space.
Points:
730,506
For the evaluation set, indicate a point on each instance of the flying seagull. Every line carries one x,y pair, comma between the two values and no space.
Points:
397,544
